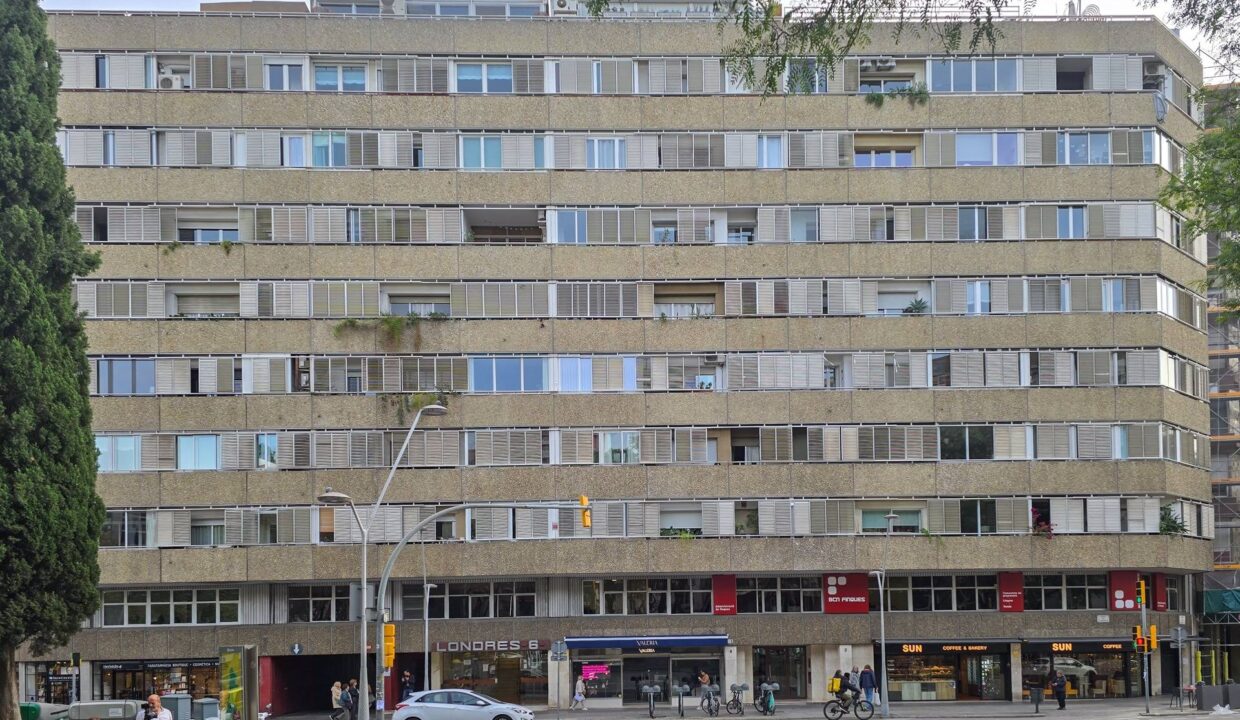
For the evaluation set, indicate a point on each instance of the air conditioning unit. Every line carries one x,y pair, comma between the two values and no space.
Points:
866,65
713,360
885,64
168,81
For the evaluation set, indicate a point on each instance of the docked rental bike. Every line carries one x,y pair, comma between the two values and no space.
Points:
736,706
764,700
839,707
710,700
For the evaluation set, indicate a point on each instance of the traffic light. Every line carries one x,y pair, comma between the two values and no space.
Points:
585,510
1153,637
389,644
1140,593
1138,638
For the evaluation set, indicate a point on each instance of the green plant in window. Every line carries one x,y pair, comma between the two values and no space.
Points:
931,537
1169,524
393,327
917,307
227,246
349,325
916,94
169,248
437,316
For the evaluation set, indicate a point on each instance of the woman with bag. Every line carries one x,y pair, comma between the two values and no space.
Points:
579,694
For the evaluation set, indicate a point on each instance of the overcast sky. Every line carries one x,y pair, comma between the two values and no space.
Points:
1042,7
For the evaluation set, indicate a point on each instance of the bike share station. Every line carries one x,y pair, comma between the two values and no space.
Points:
618,671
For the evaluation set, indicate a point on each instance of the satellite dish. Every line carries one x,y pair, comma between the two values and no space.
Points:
1091,11
1160,107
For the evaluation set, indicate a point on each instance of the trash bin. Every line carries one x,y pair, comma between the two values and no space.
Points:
30,711
206,709
178,704
106,709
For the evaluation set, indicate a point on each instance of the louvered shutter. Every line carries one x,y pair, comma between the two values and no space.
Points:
1002,369
1010,442
840,517
1093,442
1052,442
1038,74
1010,515
774,518
1102,515
77,70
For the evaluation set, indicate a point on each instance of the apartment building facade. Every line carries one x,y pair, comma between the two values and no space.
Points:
752,329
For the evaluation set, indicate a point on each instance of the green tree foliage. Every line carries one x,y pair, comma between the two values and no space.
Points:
50,516
1207,193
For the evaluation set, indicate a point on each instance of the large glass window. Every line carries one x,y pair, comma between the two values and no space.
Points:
770,151
875,520
1070,221
975,149
640,596
318,603
124,528
779,594
571,227
198,452
508,374
804,225
1065,592
619,447
284,77
576,374
605,153
171,607
1084,148
266,446
126,377
966,442
119,453
480,152
328,149
938,593
340,78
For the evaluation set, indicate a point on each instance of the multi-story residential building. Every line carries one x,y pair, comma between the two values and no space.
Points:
754,330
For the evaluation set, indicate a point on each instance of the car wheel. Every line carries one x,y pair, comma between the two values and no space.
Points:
501,717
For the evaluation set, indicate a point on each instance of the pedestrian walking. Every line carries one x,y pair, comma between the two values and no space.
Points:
407,686
337,708
867,683
579,694
154,710
1059,686
353,694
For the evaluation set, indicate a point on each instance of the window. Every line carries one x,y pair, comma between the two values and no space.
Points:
977,297
1065,592
119,453
318,603
804,76
779,594
639,596
619,447
480,153
124,528
1172,583
770,151
508,374
329,149
1070,222
265,451
283,77
972,223
126,377
605,153
576,374
966,442
974,149
208,236
109,148
207,532
977,517
458,600
294,151
171,607
875,521
877,85
484,77
340,78
663,233
804,225
1083,148
198,452
570,227
941,369
883,158
101,72
940,593
974,75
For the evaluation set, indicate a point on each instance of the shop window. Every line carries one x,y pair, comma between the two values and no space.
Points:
318,603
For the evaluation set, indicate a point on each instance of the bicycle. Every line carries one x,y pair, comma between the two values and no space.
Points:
764,701
736,706
839,707
710,700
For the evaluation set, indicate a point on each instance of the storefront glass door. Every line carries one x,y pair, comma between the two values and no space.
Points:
983,677
639,671
685,672
782,664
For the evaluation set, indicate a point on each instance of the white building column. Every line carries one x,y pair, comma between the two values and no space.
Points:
818,671
436,671
86,681
731,673
744,669
561,683
1016,674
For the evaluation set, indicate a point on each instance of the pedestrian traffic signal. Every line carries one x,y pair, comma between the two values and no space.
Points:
1140,593
389,644
1138,638
1153,637
585,510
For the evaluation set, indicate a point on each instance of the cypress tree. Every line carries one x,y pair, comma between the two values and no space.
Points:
50,516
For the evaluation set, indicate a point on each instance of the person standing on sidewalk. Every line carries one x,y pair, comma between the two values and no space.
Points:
1059,686
868,683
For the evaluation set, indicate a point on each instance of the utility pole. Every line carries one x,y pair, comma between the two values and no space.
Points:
1145,652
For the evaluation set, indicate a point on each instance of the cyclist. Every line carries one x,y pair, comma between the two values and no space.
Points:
845,685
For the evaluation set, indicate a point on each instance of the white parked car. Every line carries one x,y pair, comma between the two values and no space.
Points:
458,705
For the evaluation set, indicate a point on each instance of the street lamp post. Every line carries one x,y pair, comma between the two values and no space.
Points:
426,633
332,497
881,575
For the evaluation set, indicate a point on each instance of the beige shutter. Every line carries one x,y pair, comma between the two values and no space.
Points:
1038,74
1093,442
77,70
1010,442
1002,369
967,369
1052,442
576,447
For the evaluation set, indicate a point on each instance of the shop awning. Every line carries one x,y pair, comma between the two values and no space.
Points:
647,642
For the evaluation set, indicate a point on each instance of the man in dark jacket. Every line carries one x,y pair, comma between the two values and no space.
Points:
868,683
1059,686
407,686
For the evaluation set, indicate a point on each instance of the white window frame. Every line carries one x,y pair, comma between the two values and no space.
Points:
128,599
111,443
486,77
284,75
194,439
482,140
765,161
601,147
